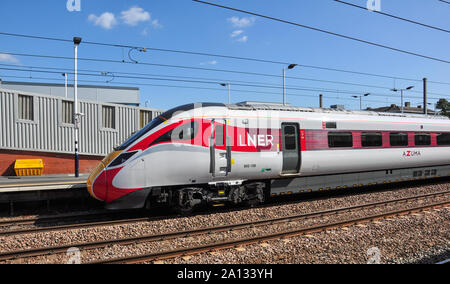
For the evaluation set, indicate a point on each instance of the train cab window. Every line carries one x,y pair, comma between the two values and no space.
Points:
443,139
423,139
219,131
371,139
340,140
399,139
185,132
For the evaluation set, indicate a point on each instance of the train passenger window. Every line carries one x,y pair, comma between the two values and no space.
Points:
423,139
290,138
185,132
219,135
399,139
443,139
371,139
340,139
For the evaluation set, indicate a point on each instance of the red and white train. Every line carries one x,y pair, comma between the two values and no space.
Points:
216,153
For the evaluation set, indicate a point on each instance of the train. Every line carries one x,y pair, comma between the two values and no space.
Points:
218,154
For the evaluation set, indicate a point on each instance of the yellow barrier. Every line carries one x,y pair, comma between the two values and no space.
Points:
29,167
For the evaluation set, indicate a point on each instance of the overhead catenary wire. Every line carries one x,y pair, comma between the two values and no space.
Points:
191,67
197,87
301,88
213,79
326,32
393,16
220,56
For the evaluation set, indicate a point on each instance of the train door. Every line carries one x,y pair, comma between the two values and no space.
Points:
291,148
220,149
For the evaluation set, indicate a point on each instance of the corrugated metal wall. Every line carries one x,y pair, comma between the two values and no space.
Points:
48,132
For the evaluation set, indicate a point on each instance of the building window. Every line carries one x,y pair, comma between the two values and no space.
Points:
340,140
109,117
443,139
331,125
423,139
67,112
145,117
371,140
399,139
26,111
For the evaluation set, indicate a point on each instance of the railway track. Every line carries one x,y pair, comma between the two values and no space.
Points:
108,218
427,198
253,240
116,220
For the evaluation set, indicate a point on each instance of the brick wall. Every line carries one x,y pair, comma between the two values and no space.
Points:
53,163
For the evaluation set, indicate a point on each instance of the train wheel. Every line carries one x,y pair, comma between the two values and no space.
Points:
255,194
186,200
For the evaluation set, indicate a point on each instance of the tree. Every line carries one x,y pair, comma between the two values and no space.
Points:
444,106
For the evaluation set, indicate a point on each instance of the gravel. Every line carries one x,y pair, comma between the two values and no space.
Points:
416,238
394,238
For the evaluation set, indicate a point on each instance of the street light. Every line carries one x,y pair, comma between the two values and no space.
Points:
401,92
229,90
76,41
360,99
292,66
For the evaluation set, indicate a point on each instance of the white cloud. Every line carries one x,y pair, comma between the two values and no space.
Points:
4,57
243,39
156,24
241,22
237,33
213,62
135,15
106,20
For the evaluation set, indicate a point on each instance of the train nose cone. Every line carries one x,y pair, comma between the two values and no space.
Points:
97,183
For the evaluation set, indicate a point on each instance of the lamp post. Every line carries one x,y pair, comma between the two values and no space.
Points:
76,41
401,93
229,91
292,66
360,99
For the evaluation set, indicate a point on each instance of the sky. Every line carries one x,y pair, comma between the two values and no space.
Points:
190,26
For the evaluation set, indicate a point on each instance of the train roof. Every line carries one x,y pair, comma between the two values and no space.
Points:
280,107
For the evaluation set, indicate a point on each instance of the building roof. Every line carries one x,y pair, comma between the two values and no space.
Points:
397,109
104,94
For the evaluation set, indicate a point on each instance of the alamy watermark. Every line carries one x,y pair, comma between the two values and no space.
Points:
374,5
373,256
74,255
73,5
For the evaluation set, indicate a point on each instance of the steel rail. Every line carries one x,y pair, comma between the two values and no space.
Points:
76,226
172,235
253,240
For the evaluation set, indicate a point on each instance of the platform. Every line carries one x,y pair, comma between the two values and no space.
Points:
41,188
40,183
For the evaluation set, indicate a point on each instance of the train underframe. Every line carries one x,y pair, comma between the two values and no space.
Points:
185,198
